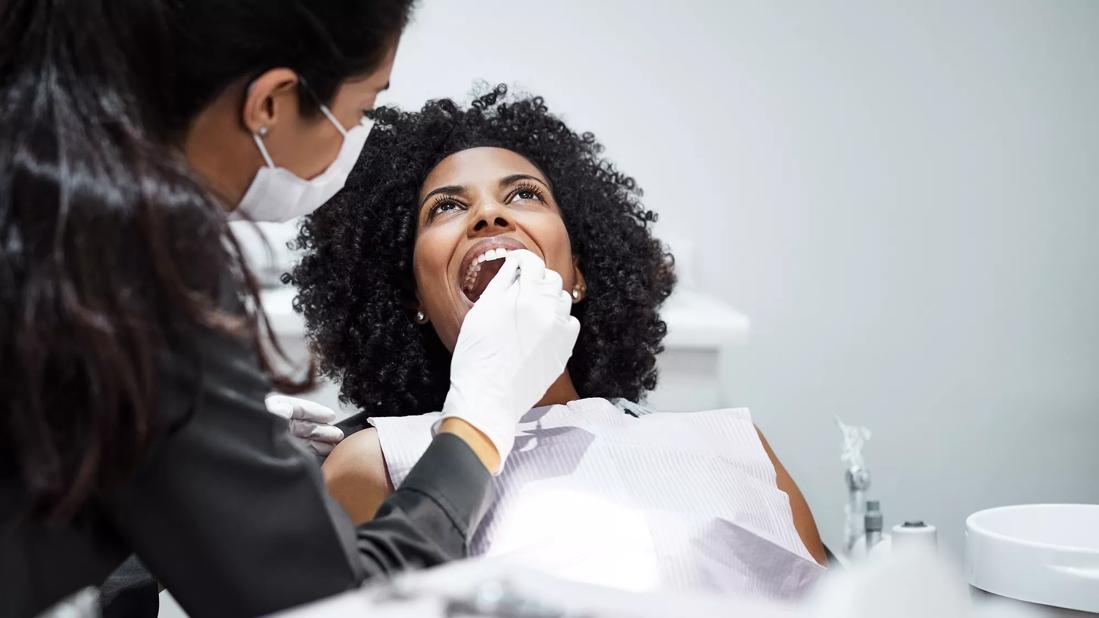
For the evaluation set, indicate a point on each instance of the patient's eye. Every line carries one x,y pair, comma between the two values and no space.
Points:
527,192
443,205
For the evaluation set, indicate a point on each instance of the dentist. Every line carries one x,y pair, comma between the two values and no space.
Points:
131,374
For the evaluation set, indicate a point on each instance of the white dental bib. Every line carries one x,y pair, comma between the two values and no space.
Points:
678,501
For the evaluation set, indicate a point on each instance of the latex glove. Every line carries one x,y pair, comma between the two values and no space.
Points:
309,421
513,345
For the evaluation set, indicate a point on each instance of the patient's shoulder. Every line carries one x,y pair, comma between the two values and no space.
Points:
355,475
799,507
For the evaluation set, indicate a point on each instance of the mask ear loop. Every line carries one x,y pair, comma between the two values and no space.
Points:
263,149
324,108
332,117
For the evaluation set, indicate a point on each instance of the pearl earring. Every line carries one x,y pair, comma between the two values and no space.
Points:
421,317
577,291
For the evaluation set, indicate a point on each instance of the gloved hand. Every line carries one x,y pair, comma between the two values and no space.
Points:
309,421
513,344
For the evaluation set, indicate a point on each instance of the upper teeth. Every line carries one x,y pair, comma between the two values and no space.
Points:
498,253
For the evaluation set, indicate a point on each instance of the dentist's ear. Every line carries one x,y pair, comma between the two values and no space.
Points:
266,98
579,289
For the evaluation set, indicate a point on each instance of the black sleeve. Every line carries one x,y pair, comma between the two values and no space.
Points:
230,512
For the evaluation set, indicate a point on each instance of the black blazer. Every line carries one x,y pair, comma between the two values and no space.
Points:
230,512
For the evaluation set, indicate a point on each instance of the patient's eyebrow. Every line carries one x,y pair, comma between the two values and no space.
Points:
507,180
449,189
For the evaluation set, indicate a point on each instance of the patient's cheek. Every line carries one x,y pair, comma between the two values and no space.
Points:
560,253
444,313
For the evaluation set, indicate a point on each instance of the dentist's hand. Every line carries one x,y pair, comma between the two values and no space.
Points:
514,343
309,421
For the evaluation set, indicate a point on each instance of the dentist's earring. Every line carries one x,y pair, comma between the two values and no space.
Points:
421,317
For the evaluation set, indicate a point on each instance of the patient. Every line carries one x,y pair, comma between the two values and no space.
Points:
393,263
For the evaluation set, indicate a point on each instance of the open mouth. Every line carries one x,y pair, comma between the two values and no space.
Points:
482,262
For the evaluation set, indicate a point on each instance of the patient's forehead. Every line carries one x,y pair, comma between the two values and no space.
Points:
481,166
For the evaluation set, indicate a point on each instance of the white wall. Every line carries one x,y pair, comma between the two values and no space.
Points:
903,197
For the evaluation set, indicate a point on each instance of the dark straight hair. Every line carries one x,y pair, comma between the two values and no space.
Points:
110,247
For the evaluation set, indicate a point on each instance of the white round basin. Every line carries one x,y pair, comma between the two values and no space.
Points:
1040,553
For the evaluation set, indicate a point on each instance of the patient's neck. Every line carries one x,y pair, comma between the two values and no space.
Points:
561,391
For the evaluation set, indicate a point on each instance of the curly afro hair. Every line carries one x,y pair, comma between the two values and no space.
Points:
355,280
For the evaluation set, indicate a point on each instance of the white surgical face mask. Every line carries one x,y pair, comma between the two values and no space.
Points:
277,194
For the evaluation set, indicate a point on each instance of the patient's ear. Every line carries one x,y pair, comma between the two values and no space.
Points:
579,289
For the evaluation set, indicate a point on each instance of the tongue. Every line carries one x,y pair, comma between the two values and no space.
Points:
488,270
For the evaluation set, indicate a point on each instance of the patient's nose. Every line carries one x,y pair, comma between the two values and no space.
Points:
489,220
